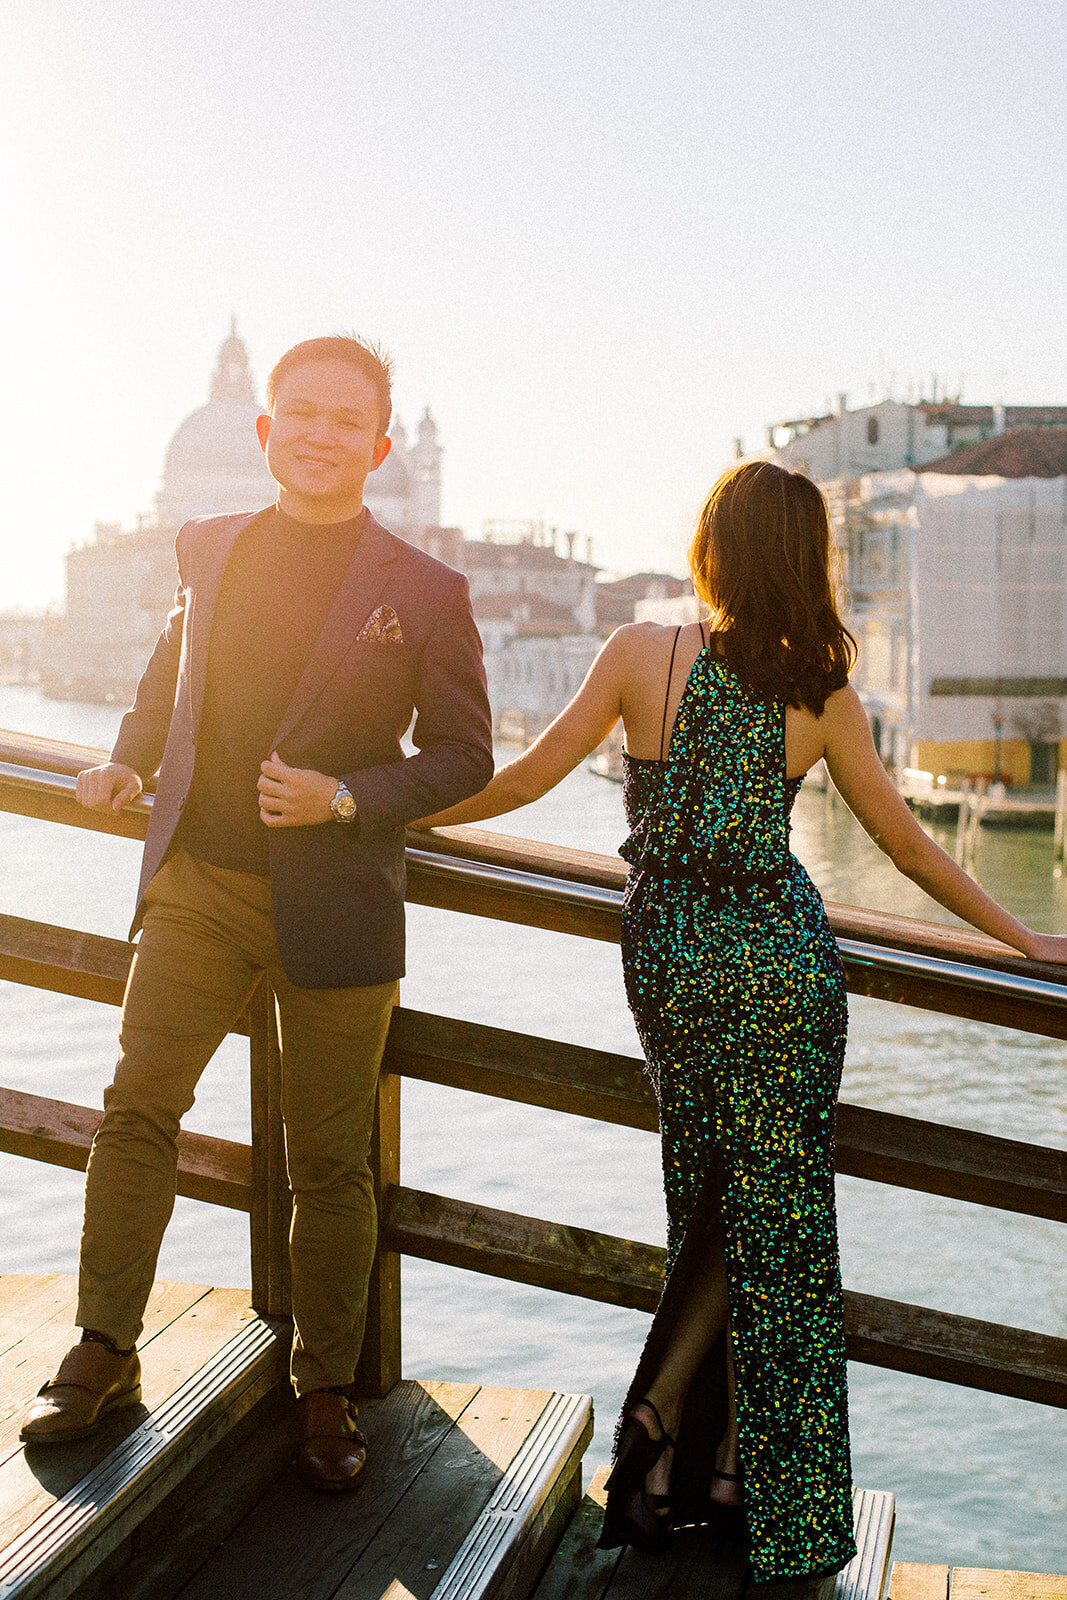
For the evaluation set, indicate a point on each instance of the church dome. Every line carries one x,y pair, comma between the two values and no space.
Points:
214,462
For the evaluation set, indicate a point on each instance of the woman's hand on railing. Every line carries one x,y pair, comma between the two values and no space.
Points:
108,788
1047,947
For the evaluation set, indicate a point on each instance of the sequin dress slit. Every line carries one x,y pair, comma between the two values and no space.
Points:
736,986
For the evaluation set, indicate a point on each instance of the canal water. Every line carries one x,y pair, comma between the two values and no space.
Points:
979,1479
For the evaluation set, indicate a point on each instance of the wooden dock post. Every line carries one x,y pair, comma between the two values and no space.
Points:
379,1364
962,819
271,1200
1059,824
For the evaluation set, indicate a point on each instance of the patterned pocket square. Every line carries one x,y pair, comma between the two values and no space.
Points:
381,627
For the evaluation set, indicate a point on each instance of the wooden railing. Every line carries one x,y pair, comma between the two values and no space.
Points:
914,963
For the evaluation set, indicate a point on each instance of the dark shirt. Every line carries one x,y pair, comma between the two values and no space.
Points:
281,579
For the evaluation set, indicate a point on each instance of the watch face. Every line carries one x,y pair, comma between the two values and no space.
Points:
343,807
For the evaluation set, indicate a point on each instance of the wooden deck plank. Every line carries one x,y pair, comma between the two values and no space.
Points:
578,1570
917,1580
498,1420
185,1325
874,1514
978,1583
188,1341
415,1546
29,1299
316,1539
32,1360
699,1565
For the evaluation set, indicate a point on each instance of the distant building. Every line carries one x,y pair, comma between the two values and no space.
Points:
893,433
532,678
530,564
22,636
618,600
543,616
536,609
405,492
958,582
120,583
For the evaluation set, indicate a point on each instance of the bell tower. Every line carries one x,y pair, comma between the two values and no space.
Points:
425,459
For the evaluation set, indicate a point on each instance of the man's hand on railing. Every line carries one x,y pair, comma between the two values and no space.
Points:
108,788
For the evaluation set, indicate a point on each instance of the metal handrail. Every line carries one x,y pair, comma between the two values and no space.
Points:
38,781
880,958
586,896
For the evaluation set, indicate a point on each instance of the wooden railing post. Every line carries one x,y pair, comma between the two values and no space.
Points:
379,1363
271,1201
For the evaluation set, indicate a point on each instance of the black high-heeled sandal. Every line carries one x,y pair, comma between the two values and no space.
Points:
646,1515
729,1517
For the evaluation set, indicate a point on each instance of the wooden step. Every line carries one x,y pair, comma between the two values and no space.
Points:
465,1496
65,1510
700,1566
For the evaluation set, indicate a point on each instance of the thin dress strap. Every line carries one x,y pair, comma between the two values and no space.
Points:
667,696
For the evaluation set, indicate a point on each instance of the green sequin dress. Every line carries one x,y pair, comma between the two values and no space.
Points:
736,986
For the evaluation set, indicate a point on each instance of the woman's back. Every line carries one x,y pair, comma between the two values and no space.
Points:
718,801
655,666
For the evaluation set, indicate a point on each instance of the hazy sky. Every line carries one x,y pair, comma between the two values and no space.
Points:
601,239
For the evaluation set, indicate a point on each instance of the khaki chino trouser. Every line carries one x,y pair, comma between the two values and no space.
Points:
208,935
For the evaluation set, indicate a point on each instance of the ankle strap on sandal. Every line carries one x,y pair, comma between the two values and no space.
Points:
659,1420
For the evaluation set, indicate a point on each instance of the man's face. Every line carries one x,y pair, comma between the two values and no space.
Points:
322,439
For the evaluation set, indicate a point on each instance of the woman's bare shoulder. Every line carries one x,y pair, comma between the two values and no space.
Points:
843,708
654,639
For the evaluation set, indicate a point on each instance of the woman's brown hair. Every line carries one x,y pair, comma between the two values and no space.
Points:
761,560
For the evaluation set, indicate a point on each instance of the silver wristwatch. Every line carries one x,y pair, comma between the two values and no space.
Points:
343,806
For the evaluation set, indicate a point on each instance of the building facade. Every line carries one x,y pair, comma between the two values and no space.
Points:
958,583
22,644
892,434
535,604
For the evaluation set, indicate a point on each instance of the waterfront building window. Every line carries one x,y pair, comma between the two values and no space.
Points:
872,430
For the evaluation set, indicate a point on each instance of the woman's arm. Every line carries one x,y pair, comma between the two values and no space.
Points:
578,729
865,787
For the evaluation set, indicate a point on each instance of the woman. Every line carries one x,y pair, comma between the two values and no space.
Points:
738,1409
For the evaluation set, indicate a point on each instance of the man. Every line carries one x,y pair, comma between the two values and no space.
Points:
302,640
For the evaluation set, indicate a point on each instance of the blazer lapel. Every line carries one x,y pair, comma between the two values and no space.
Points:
361,589
211,558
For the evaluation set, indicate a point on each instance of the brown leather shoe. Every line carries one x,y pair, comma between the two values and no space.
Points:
333,1452
90,1383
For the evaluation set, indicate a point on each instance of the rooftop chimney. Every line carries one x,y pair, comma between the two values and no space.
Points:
1000,419
842,404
